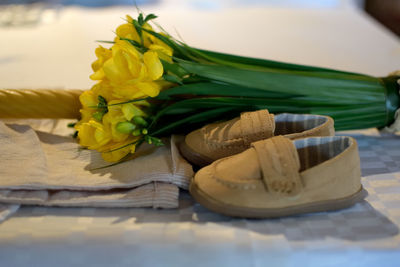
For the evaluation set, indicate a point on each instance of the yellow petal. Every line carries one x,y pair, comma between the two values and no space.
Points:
121,64
153,64
98,75
88,98
134,65
147,37
126,47
130,110
102,55
112,118
116,151
163,52
128,92
148,88
133,148
142,103
104,89
86,114
129,19
101,135
127,31
85,134
112,72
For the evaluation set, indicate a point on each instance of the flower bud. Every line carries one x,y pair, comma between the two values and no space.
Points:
98,116
125,127
136,132
140,121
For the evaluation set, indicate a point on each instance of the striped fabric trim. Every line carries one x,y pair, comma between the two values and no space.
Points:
287,123
315,150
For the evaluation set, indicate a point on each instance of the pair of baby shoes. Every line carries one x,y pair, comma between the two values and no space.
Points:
262,166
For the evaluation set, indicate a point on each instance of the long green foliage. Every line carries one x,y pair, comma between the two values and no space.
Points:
214,86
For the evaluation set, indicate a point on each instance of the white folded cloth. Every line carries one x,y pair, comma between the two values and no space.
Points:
7,210
49,168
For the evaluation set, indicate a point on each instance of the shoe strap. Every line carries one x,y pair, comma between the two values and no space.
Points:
280,165
257,125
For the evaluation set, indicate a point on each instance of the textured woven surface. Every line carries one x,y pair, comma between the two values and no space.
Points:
46,103
364,235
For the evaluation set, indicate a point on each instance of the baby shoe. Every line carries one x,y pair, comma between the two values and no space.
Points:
280,177
218,140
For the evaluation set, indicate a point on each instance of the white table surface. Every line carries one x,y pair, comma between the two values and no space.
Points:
59,54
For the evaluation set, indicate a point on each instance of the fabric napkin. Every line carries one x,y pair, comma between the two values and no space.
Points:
49,168
7,210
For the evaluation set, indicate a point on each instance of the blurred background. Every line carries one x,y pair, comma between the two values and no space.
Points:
30,12
51,43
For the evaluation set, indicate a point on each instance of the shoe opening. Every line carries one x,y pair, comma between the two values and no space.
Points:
315,150
287,123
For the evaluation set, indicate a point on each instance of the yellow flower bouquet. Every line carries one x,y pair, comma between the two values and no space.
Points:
149,85
113,112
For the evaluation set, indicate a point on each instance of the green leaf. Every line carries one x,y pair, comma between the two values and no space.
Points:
178,50
150,17
289,82
268,63
102,102
136,44
189,119
153,140
131,101
219,89
268,66
174,68
346,116
172,78
140,19
138,29
106,42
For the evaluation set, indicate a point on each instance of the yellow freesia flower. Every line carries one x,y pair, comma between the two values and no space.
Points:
131,74
128,31
125,64
153,64
164,52
112,120
122,113
86,115
89,100
103,55
124,73
93,134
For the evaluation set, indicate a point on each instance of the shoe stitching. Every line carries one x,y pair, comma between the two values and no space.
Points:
234,185
258,136
244,186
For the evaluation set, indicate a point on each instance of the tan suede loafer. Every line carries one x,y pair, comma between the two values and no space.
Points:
223,139
280,177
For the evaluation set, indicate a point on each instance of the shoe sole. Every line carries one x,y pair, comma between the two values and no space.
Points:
235,211
193,157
